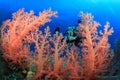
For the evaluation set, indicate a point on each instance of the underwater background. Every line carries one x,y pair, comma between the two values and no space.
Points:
68,15
68,10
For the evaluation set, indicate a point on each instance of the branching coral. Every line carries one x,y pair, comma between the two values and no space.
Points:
96,54
42,50
58,47
13,32
46,48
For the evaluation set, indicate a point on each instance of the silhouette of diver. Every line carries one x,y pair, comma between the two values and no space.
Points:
57,30
79,21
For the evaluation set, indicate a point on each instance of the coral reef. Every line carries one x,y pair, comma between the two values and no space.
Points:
86,63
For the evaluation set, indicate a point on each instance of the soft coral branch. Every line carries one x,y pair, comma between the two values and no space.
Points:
13,31
95,46
34,21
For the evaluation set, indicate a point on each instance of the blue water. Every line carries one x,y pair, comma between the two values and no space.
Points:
68,10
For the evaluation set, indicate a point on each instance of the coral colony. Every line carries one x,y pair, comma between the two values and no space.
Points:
87,62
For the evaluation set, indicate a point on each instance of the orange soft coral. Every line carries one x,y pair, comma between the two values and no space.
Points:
46,48
42,50
95,46
13,31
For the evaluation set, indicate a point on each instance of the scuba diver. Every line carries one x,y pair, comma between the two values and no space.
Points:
70,35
